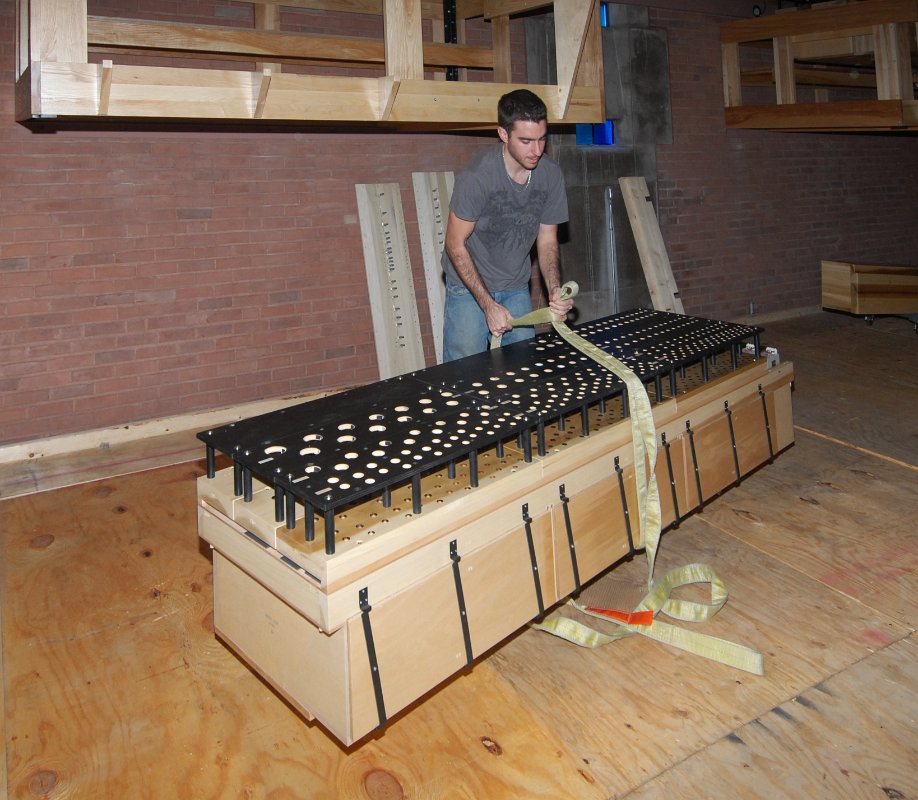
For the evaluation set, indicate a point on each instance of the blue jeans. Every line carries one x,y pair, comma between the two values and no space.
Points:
465,329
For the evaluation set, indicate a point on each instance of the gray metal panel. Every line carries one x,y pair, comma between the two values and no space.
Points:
597,245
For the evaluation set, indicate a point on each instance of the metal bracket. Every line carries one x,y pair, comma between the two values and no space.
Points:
570,537
460,597
365,609
672,481
527,520
621,488
691,438
729,414
771,452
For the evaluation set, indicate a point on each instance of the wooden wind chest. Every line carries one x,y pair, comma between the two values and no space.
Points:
446,563
868,290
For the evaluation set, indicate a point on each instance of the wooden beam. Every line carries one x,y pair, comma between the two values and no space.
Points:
857,114
388,91
500,41
432,192
812,76
23,58
470,103
71,90
785,88
57,30
733,87
652,249
267,18
469,9
572,23
507,8
105,87
430,9
855,43
263,87
404,50
820,21
591,72
893,62
150,35
390,282
191,40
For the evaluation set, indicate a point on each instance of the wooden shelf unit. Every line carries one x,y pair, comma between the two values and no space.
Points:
860,58
405,87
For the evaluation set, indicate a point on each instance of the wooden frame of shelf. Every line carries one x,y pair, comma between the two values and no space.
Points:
56,79
849,46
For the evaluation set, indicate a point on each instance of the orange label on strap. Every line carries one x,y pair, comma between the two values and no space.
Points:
629,618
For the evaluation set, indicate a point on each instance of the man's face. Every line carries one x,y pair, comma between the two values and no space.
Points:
525,142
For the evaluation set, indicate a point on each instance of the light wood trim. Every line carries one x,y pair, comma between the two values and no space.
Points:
827,20
104,438
404,51
785,88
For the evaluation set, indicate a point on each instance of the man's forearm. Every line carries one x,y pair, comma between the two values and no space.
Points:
468,273
548,263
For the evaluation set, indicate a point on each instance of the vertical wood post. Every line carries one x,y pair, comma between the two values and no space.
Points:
500,41
57,31
267,18
404,49
785,84
733,88
893,62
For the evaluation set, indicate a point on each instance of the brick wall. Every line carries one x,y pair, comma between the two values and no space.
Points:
146,273
149,272
748,215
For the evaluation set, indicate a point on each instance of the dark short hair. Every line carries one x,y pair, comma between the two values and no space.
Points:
520,105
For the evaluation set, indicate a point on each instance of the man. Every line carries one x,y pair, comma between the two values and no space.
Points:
507,198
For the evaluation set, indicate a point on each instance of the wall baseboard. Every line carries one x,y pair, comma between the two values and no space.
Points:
103,438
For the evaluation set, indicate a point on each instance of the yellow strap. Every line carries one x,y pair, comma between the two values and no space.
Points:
643,428
657,599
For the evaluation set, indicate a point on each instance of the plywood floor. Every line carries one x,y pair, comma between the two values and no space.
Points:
115,687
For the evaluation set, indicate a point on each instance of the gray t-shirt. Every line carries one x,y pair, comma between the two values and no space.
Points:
506,216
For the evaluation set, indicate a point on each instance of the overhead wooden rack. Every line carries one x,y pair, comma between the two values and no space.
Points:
399,79
836,66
